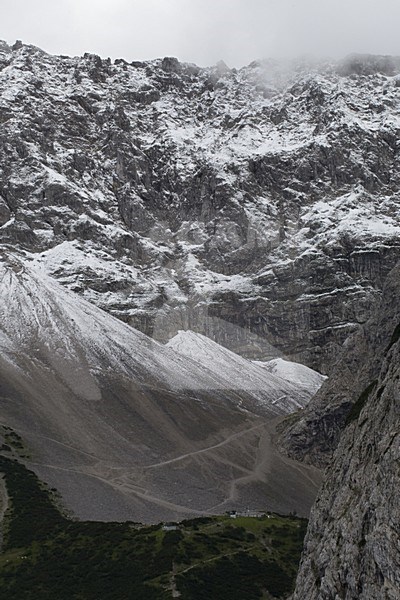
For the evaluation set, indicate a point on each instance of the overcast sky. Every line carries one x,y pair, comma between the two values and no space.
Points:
204,31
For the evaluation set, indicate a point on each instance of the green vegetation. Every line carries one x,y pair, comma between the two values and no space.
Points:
31,515
48,556
13,442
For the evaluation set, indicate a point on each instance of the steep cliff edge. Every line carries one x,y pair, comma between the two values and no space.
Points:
352,545
312,435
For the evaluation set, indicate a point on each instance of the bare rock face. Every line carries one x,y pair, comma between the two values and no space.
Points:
4,212
352,544
264,198
313,434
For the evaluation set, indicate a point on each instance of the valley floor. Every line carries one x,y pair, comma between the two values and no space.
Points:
46,555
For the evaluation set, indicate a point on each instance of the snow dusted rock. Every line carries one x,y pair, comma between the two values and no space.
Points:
295,373
352,544
124,427
176,197
239,374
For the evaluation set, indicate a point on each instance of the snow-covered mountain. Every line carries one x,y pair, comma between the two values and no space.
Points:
242,375
258,206
295,373
123,426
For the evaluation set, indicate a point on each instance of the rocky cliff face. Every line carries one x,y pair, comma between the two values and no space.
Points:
258,206
312,435
352,545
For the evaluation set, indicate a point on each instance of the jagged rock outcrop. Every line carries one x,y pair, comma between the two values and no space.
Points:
312,434
178,197
352,545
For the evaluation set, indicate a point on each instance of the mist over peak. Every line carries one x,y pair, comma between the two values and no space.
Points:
205,32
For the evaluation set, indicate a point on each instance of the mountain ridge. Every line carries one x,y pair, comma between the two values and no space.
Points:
258,207
240,373
156,192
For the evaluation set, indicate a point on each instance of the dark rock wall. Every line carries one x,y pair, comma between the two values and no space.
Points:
313,434
264,198
352,545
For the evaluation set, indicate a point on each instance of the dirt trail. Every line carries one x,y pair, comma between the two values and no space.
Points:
128,489
215,558
202,450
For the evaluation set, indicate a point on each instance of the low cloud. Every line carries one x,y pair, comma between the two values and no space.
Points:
204,31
